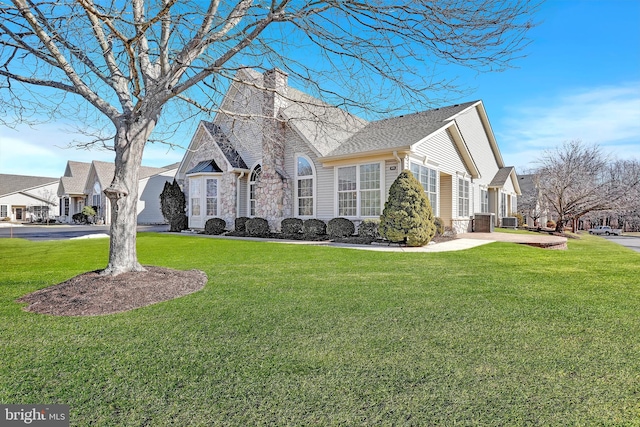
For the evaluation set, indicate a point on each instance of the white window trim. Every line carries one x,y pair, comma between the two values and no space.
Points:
202,178
314,186
358,190
467,178
258,164
484,188
428,165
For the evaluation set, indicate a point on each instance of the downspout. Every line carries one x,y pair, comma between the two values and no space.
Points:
399,160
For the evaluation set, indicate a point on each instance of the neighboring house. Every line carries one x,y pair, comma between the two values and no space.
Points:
27,198
530,203
84,183
71,190
275,152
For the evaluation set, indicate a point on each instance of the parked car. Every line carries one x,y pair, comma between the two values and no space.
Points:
606,230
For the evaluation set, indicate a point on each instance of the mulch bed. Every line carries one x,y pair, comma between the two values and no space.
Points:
91,294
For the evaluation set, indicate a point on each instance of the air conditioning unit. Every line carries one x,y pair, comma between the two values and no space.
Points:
509,222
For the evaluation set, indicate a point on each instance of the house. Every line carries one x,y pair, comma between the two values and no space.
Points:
84,183
27,198
531,205
71,190
275,152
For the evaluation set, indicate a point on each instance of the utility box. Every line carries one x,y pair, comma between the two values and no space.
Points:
483,222
510,222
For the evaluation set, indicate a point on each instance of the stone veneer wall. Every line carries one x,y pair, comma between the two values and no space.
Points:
273,192
227,183
461,225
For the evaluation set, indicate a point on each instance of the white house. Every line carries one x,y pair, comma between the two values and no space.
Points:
27,198
275,152
84,183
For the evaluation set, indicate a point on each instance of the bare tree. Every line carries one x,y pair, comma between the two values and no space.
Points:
576,179
128,60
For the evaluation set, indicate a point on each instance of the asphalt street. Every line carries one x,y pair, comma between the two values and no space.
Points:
631,242
63,232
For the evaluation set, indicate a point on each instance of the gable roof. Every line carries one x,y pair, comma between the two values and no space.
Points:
324,127
10,184
222,141
399,132
105,171
74,178
501,177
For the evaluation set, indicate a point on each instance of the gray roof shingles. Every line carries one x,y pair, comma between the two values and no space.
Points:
227,149
501,176
10,184
398,132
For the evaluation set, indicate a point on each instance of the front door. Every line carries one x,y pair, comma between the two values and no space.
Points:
19,214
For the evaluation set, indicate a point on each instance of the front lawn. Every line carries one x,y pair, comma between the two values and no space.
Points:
502,334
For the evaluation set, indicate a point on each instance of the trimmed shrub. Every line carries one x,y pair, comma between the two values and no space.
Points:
291,226
173,205
437,221
240,224
340,227
215,226
80,218
179,222
551,224
314,227
258,227
369,228
520,219
407,215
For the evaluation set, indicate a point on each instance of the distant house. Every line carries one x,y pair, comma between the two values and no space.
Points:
83,184
532,206
27,198
275,152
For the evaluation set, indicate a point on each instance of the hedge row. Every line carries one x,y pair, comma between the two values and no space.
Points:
336,228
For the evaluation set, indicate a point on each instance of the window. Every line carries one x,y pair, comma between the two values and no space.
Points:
503,205
359,190
463,197
428,178
3,211
304,187
253,183
64,206
194,190
484,201
212,197
95,201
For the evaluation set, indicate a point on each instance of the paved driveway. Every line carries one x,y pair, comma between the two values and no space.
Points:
62,232
631,242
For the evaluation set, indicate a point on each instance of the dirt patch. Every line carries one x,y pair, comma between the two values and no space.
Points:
91,294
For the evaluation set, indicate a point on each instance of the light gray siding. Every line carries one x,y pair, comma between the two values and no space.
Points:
149,209
475,136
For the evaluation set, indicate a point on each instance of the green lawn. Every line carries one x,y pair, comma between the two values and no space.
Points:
502,334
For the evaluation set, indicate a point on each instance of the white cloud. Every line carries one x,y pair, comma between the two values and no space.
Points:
608,116
44,151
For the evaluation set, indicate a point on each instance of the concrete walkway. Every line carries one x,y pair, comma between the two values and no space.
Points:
462,242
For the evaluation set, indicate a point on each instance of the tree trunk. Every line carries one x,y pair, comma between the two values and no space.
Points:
123,194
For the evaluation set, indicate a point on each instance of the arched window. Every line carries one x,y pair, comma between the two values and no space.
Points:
305,187
253,185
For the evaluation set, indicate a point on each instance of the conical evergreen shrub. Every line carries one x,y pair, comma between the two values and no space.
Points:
407,215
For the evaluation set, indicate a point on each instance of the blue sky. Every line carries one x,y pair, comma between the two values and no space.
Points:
580,80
